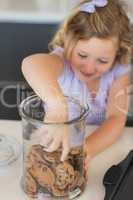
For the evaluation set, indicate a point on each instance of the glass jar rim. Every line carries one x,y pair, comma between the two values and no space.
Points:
24,115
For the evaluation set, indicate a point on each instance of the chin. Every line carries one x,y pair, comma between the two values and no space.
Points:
87,80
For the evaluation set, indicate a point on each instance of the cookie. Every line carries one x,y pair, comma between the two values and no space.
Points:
59,193
43,174
34,156
30,185
50,174
75,151
53,157
64,175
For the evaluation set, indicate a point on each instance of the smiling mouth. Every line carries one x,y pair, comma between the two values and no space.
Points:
86,74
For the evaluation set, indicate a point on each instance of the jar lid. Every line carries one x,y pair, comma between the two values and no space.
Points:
9,149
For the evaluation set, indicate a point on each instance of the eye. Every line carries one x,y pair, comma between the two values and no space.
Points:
102,61
82,55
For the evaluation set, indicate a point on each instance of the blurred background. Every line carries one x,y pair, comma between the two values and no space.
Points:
26,27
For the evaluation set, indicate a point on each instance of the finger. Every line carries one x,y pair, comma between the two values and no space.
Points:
42,136
86,175
46,139
35,137
53,146
86,166
39,133
65,148
46,142
85,171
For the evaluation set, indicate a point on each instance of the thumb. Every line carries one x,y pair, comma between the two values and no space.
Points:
65,149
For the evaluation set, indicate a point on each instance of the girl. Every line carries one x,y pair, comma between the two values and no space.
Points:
90,60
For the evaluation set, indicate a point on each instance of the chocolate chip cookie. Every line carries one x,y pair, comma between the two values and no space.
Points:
45,172
30,186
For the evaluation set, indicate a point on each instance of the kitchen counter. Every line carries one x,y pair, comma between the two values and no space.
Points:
10,176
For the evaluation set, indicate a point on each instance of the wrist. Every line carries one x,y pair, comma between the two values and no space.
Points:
56,112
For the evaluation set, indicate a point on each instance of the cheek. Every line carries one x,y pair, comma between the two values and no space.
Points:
75,63
104,69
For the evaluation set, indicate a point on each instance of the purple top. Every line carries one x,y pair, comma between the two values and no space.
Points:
73,87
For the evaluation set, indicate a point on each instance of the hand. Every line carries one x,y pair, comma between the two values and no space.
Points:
86,160
86,165
52,137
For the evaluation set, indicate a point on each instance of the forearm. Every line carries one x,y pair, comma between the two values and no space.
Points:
105,135
39,71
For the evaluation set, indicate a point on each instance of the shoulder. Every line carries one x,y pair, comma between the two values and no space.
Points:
117,103
120,70
120,85
121,76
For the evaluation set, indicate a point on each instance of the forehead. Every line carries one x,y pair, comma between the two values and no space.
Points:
98,46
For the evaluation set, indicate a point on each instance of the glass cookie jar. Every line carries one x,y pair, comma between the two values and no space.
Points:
45,176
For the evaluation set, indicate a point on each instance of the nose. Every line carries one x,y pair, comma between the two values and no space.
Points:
90,67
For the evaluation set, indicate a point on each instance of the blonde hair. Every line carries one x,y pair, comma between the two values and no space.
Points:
104,23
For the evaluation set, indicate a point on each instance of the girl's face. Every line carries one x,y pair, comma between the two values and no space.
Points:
94,57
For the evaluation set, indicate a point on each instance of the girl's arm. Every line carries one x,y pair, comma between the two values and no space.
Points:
42,71
111,129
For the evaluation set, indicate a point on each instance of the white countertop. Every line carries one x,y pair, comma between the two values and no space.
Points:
10,177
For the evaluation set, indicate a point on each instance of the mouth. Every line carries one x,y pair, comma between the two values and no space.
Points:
87,74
